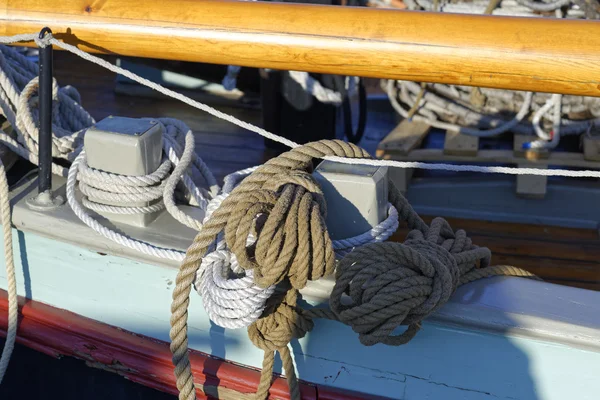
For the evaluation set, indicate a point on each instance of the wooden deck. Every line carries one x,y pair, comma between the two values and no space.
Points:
560,255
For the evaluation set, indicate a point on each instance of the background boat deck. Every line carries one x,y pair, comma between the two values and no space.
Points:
561,255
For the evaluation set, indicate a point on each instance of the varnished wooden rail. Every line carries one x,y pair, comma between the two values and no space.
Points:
538,54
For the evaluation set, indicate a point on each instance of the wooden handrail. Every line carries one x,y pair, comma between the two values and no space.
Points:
537,54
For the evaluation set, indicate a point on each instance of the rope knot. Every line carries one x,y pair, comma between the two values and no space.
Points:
44,41
381,286
280,323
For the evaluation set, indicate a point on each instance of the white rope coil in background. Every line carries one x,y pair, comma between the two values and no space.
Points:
307,83
521,8
485,112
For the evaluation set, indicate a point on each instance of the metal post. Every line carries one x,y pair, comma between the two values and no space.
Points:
45,199
45,103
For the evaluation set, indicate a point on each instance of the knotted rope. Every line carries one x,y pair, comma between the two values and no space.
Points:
392,284
229,295
389,284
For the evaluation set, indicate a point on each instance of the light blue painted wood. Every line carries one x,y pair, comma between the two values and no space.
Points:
442,362
452,196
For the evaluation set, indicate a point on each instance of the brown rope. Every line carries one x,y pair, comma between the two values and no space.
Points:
389,284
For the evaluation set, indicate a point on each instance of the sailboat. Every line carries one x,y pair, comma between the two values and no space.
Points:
106,228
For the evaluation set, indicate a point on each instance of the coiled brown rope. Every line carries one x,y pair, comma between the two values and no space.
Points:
389,284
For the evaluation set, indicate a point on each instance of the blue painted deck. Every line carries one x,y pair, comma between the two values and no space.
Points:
444,361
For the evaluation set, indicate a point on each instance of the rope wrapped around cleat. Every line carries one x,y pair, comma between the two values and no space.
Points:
281,206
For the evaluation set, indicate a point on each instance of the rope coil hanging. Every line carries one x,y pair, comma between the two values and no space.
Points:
390,284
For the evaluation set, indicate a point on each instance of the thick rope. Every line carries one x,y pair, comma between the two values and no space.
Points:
283,206
230,297
13,308
392,284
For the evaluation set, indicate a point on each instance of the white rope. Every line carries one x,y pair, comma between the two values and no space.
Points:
125,190
168,92
171,183
379,233
18,103
317,90
309,84
458,108
431,102
230,297
523,8
13,307
252,128
104,231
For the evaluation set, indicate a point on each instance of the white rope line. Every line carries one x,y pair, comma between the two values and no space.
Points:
178,96
13,307
379,233
309,84
317,90
252,128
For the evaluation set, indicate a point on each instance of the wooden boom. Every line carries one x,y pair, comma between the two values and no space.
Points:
534,54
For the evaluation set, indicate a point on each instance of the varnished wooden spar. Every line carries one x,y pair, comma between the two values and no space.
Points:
538,54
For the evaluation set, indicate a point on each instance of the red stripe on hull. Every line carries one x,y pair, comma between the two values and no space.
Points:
139,358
